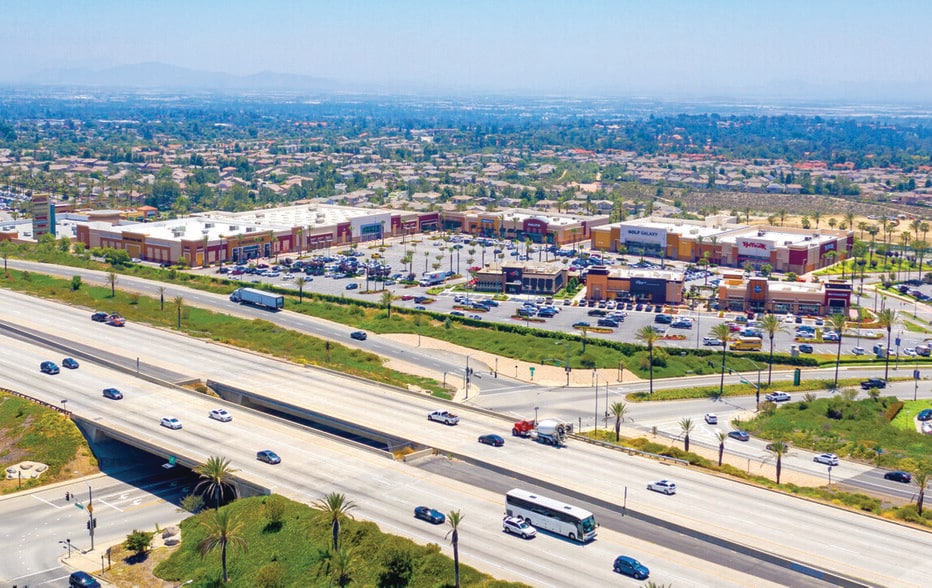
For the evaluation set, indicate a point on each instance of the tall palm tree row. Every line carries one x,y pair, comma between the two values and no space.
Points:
779,448
837,323
686,426
886,318
454,519
223,530
722,332
619,410
648,336
216,475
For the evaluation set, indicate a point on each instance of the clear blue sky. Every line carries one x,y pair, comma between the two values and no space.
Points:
570,47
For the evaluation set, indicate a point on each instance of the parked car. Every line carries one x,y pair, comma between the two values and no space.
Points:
873,383
739,435
220,414
112,394
69,363
171,423
924,415
443,416
662,486
777,397
268,456
100,317
806,348
492,439
711,341
711,419
826,458
358,335
425,513
630,567
899,476
518,526
48,367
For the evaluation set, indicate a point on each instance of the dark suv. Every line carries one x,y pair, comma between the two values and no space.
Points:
100,317
82,580
873,383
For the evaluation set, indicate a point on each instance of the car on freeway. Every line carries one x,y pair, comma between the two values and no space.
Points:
873,383
630,567
899,476
924,415
112,394
100,317
358,335
806,348
69,363
220,414
711,418
170,422
116,320
443,416
433,516
662,486
518,526
492,439
268,456
826,458
739,435
777,397
48,367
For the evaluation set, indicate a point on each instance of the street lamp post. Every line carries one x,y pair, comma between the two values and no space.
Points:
536,408
68,543
595,413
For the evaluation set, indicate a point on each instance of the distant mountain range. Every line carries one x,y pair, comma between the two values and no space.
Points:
171,77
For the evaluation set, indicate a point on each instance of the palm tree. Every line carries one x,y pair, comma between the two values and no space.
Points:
771,324
300,281
387,302
454,518
112,280
686,426
721,436
921,479
886,318
162,297
648,336
722,332
619,410
335,508
179,304
215,475
837,322
779,448
223,530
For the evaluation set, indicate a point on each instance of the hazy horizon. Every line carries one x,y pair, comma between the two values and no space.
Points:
791,49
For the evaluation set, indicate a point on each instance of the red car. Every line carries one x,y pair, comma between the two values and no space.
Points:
116,320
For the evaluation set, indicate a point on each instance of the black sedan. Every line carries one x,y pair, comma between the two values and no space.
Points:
898,476
493,440
69,363
425,513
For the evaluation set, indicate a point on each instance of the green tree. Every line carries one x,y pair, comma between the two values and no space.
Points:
216,478
648,336
75,283
723,334
778,448
921,480
619,410
335,508
771,325
387,302
223,531
686,426
454,519
837,322
139,541
397,570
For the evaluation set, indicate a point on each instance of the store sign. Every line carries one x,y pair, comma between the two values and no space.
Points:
755,247
638,235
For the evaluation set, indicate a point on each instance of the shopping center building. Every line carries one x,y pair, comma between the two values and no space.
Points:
523,225
739,293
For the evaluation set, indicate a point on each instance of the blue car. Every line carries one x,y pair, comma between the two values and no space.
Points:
630,567
425,513
739,435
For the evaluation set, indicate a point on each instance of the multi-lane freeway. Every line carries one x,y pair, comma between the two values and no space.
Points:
805,533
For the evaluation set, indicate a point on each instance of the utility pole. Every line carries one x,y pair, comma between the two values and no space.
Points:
91,523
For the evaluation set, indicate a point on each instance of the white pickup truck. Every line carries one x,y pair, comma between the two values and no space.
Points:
443,416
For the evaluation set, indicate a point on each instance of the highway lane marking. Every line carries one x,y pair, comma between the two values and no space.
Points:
41,572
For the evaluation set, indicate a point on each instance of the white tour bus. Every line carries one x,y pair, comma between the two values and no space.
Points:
551,515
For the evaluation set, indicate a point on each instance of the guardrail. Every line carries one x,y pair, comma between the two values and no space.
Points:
60,409
630,450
